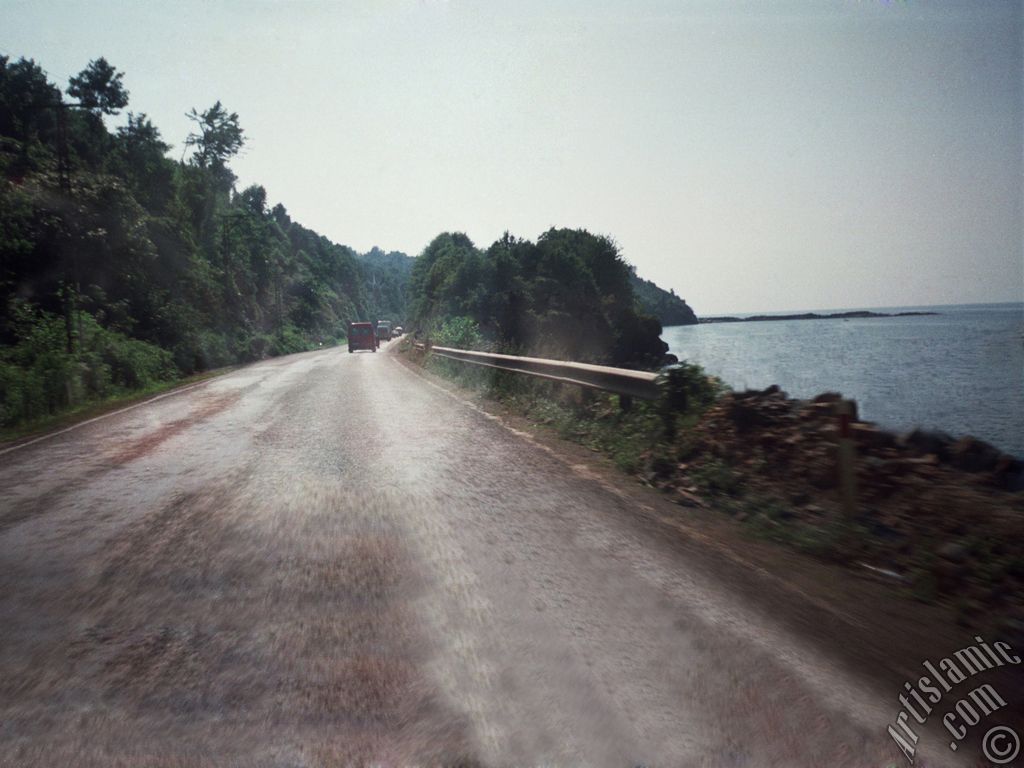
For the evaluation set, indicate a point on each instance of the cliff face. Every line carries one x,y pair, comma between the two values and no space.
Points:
662,304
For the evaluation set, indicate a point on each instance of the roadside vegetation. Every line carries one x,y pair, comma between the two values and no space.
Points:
122,269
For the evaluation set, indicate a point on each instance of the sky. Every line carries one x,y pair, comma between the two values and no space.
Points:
752,156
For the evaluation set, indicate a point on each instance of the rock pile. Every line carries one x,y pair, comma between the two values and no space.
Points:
944,515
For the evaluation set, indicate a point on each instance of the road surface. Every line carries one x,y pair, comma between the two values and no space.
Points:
327,560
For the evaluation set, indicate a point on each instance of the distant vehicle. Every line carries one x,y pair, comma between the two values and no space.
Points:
397,332
361,336
383,330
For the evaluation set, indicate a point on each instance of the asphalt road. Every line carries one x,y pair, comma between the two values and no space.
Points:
327,560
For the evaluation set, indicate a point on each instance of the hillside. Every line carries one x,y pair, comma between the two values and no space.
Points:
122,267
387,280
568,296
662,304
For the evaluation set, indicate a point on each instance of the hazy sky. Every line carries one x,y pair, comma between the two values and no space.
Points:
751,155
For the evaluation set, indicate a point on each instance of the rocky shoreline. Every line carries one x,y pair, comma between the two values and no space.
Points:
858,314
941,516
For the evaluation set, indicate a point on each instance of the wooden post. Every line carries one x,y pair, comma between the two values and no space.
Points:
847,476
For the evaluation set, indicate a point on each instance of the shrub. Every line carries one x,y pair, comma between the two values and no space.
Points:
460,333
212,351
686,390
716,476
39,377
287,341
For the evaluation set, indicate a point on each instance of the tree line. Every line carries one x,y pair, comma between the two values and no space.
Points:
121,267
569,295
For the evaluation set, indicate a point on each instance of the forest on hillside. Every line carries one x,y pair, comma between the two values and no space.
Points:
569,295
121,268
662,304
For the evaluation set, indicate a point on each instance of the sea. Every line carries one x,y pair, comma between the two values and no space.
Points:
959,371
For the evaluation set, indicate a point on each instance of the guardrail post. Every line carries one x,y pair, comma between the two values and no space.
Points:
625,403
847,476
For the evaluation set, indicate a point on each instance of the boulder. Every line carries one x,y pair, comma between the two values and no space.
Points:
973,455
1009,473
871,436
823,474
745,414
925,442
827,397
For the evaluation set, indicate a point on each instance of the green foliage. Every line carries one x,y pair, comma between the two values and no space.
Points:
441,278
98,87
662,304
716,476
39,377
150,268
686,389
459,332
26,101
386,281
139,157
566,296
219,138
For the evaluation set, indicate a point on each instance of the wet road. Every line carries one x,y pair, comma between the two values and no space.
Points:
327,560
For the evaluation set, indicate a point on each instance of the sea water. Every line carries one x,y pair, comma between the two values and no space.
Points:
960,371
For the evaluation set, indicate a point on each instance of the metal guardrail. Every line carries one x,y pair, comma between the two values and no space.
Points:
621,381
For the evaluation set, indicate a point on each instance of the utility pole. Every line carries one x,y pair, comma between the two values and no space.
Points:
72,284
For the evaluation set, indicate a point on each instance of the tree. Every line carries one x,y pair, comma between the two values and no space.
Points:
125,265
253,199
219,138
566,296
98,88
140,154
140,133
26,101
444,278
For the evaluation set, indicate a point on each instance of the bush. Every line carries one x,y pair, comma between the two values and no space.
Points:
460,333
686,390
212,351
135,364
39,377
288,341
716,477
